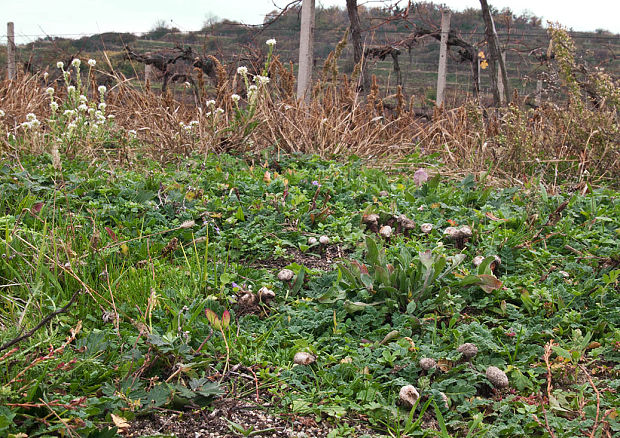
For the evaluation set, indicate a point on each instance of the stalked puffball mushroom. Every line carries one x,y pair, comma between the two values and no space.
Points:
303,358
324,240
371,221
459,236
426,228
451,233
497,377
478,260
426,363
468,350
265,294
405,225
386,231
495,263
465,231
285,275
408,395
247,299
445,400
312,240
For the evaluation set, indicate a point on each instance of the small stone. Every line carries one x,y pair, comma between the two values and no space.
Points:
497,377
426,363
303,358
386,231
408,395
468,350
426,228
285,275
323,240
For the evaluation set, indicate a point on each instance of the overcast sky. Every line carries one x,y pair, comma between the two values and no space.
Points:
35,18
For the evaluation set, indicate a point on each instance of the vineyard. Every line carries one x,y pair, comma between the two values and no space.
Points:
187,249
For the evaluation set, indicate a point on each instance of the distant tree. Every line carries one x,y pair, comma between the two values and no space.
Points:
159,29
210,20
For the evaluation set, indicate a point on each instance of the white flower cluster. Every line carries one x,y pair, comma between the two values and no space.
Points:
92,62
261,79
235,98
31,121
76,63
271,42
243,70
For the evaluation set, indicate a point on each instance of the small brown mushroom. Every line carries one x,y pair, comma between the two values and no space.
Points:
497,377
426,363
386,231
303,358
408,395
468,350
426,228
371,221
285,275
405,225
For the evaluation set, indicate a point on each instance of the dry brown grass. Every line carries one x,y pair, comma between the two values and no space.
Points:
514,142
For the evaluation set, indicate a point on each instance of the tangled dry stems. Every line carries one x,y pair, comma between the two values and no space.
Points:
338,122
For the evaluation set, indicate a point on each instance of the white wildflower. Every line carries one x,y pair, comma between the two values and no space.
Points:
271,42
102,106
91,111
243,70
102,89
92,62
235,98
261,79
49,91
111,117
83,107
71,89
68,113
219,111
45,76
60,64
83,99
210,102
71,126
132,133
30,117
76,63
1,113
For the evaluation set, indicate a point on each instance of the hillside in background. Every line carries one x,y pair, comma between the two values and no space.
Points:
523,37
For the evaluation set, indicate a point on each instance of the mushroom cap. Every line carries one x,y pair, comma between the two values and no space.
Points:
285,275
452,233
426,363
383,193
426,228
468,350
497,377
303,358
371,218
323,240
408,395
386,231
247,299
478,260
405,222
266,294
312,240
465,231
445,399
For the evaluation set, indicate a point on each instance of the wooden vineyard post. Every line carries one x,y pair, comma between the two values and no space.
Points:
538,95
10,50
306,36
500,82
443,57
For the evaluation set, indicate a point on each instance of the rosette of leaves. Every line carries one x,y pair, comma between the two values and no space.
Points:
400,282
